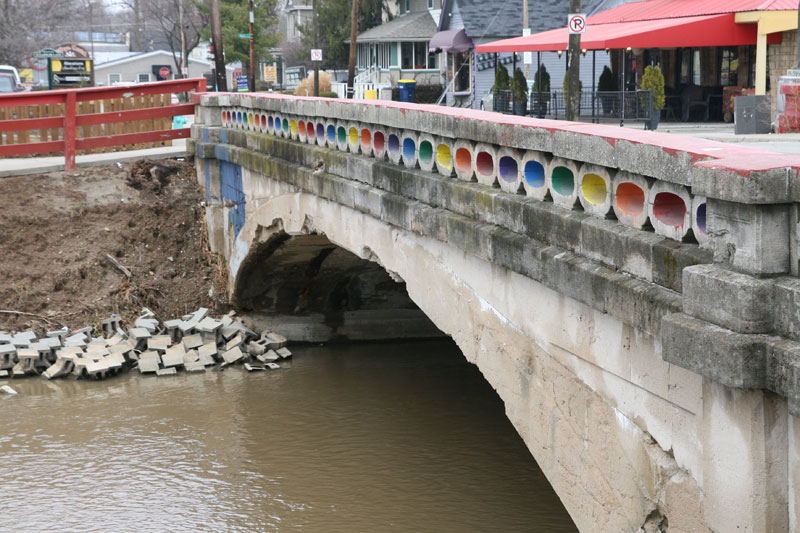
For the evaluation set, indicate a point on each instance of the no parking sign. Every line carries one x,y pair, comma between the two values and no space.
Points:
576,22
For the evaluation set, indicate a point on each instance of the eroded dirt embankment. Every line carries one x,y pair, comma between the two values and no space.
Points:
57,229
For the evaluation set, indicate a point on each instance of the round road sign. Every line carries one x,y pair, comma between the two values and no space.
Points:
164,72
576,22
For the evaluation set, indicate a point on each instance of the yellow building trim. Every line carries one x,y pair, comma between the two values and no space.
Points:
768,22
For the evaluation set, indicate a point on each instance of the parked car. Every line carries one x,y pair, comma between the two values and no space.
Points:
8,69
7,83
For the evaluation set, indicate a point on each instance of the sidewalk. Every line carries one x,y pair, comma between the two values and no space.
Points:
21,166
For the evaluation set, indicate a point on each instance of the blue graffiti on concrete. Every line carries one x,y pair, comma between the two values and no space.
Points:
232,194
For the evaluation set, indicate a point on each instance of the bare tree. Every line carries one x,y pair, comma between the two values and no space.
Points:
169,16
162,21
29,25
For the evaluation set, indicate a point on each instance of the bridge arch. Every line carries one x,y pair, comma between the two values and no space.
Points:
498,319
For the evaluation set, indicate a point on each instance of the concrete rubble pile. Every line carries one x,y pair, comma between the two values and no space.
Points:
192,343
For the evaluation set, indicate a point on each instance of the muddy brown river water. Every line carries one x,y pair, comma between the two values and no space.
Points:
376,437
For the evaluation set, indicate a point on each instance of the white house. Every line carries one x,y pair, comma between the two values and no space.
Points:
143,67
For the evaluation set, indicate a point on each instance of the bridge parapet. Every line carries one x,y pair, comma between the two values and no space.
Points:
661,214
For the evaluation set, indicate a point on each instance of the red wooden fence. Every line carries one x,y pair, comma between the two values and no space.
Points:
69,144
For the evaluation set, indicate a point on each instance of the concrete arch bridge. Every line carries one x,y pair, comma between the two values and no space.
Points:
632,296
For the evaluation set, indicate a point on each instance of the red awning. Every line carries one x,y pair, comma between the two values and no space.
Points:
709,30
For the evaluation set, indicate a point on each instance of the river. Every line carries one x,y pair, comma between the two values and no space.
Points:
370,437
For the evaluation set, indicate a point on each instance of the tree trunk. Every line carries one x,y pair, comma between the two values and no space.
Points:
573,73
351,66
219,56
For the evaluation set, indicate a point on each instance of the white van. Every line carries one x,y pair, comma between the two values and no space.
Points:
8,69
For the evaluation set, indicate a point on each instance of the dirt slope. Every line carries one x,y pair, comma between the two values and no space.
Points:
55,232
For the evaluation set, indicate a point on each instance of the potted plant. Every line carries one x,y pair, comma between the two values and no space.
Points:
519,90
540,91
606,84
501,89
653,80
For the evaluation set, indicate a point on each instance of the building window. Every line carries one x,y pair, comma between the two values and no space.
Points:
406,56
729,66
408,6
430,4
143,78
114,78
461,71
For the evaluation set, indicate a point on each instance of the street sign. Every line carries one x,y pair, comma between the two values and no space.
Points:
271,73
316,54
241,84
576,22
164,72
72,72
244,36
185,71
527,57
44,53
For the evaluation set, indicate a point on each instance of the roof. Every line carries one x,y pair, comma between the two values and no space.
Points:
501,18
704,30
418,26
144,55
663,9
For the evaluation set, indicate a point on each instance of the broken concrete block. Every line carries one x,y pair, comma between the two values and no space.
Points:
60,368
209,348
255,349
253,368
206,359
95,352
99,341
172,329
96,369
4,374
5,389
233,355
166,372
114,360
284,353
87,332
234,342
159,343
272,366
18,370
190,342
187,327
5,338
110,325
200,314
149,364
226,321
52,342
209,324
190,357
69,353
173,356
116,339
150,324
60,333
24,337
8,356
273,340
195,367
138,334
271,356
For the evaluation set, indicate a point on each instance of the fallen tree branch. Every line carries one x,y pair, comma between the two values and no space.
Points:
119,266
12,312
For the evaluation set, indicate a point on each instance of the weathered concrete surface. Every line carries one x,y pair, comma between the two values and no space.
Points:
575,320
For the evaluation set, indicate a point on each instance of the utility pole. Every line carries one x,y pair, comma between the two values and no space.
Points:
251,78
525,31
316,45
351,67
91,27
184,60
573,72
216,40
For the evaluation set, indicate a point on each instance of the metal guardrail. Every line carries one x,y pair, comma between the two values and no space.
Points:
631,105
70,120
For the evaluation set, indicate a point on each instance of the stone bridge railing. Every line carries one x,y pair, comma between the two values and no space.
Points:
691,240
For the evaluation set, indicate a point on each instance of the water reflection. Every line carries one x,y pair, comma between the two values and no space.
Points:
400,437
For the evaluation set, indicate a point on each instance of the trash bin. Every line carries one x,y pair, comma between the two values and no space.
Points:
370,94
406,88
751,114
